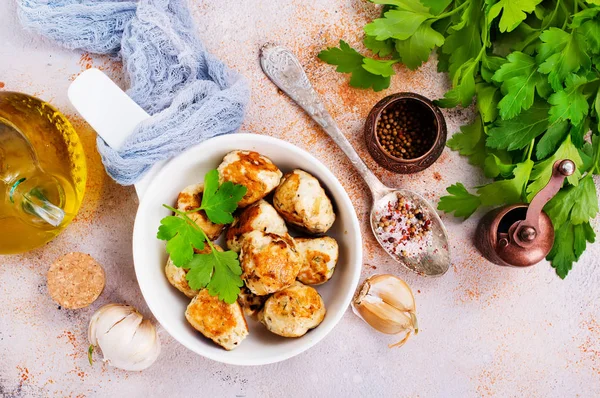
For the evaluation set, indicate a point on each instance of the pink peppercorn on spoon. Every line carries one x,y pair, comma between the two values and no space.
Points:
404,223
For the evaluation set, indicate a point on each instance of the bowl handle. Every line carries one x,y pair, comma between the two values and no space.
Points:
111,112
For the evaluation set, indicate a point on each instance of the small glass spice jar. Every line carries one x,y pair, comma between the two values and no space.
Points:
405,133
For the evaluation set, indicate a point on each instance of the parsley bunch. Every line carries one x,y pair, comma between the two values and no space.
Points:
219,272
533,66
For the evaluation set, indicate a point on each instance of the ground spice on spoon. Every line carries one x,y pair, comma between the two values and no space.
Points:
403,227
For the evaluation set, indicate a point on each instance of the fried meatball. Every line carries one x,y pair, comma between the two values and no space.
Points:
250,302
269,262
260,216
191,198
318,256
302,201
293,311
256,172
221,322
176,275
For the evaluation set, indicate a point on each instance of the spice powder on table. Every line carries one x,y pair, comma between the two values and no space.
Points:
403,227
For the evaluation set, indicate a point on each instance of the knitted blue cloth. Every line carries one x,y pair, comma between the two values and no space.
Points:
190,94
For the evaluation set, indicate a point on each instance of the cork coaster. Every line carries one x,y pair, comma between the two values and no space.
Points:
75,280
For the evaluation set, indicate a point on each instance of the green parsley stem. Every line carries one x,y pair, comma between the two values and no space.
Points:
194,210
564,8
551,16
213,250
193,224
596,166
530,151
450,13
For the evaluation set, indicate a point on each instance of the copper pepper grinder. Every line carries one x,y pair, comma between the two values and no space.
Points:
522,235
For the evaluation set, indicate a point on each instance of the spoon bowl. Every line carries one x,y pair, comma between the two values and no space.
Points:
286,72
433,258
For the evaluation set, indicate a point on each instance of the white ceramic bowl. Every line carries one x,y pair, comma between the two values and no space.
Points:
168,304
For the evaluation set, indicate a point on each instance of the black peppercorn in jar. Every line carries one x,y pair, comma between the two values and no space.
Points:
406,130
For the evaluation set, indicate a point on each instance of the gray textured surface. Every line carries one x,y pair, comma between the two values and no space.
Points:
485,330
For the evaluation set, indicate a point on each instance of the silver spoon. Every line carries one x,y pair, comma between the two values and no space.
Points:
284,69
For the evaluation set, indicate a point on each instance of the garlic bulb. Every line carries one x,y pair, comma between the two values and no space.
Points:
387,304
127,340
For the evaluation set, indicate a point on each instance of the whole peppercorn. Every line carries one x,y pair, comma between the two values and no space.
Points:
406,129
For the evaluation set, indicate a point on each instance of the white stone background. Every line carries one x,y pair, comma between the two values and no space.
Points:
485,330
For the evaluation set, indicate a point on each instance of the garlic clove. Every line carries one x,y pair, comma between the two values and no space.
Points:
105,318
126,340
392,290
147,346
115,344
387,304
382,316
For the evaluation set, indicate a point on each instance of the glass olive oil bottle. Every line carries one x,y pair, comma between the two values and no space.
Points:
42,172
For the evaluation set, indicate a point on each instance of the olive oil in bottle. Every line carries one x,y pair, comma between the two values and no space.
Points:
42,172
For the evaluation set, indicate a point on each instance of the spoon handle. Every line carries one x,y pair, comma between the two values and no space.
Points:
284,69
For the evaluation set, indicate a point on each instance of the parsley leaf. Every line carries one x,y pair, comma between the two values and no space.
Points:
517,133
348,60
507,191
182,237
520,79
576,204
464,41
569,103
578,132
460,201
513,12
226,280
200,270
591,31
397,24
463,203
220,201
381,48
494,166
377,67
416,49
551,139
488,97
219,272
470,142
584,16
464,87
569,243
561,54
436,6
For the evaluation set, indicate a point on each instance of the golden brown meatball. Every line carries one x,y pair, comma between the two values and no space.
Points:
302,201
260,216
256,172
293,311
250,302
191,198
221,322
269,262
318,256
177,275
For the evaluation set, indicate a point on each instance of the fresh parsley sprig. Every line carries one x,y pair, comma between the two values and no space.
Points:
219,272
534,67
